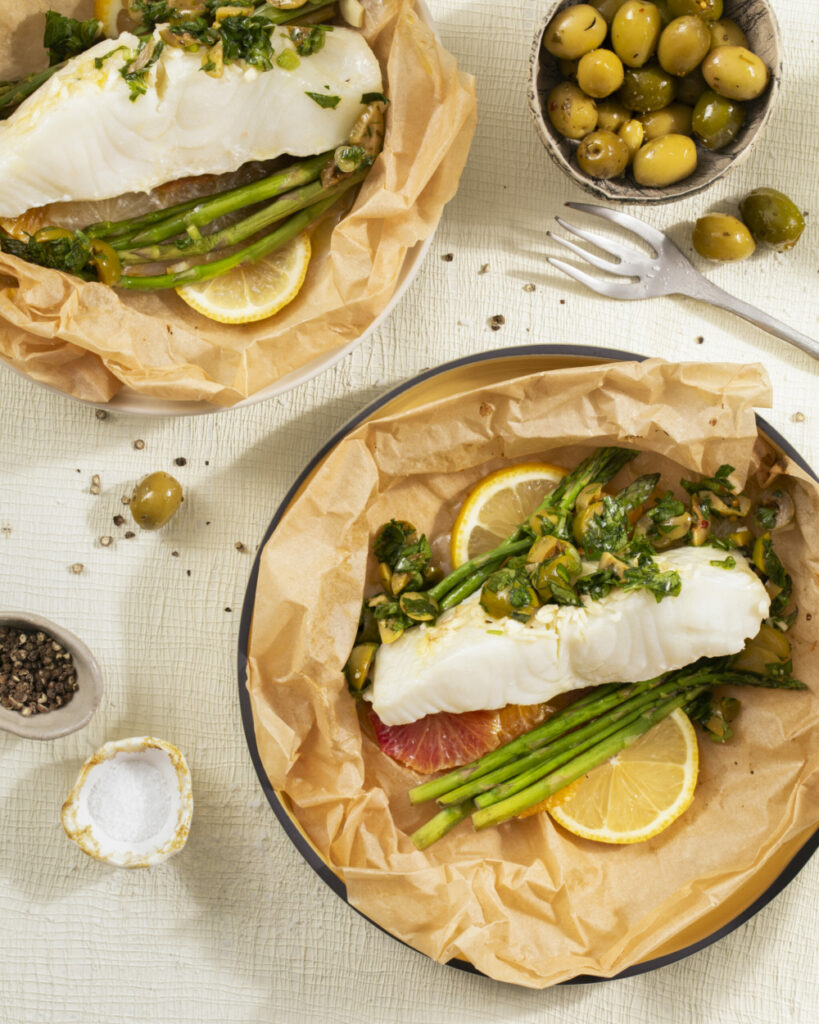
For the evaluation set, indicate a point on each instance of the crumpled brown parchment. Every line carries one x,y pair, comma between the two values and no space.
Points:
89,340
527,903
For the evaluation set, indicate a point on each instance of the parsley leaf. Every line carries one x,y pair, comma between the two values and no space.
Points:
324,101
66,37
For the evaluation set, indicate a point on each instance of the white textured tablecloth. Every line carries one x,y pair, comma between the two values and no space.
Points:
237,928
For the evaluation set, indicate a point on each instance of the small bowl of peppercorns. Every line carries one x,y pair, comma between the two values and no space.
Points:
50,683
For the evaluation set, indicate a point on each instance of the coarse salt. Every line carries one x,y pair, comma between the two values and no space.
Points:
129,800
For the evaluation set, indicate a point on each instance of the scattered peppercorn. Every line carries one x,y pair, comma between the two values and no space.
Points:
798,417
106,541
180,461
174,554
119,520
239,546
700,339
95,484
36,672
484,268
529,287
139,444
448,257
228,609
129,534
101,414
77,568
497,321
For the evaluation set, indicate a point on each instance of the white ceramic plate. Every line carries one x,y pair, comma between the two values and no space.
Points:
129,401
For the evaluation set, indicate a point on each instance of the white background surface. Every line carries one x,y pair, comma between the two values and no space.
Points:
237,928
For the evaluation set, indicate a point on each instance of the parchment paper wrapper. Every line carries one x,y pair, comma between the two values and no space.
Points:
525,902
89,340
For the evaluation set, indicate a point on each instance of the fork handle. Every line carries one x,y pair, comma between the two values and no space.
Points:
708,292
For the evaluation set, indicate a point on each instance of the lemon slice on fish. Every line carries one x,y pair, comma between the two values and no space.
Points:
499,503
637,793
253,291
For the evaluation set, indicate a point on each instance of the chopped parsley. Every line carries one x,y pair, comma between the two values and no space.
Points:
727,563
373,97
66,37
136,71
324,101
308,39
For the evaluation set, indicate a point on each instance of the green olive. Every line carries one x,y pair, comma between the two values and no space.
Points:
602,155
735,72
769,647
583,520
632,133
357,669
648,88
665,160
717,236
666,17
683,44
608,8
571,111
599,73
690,87
635,31
708,10
574,31
716,121
506,595
726,33
772,218
155,500
611,114
675,119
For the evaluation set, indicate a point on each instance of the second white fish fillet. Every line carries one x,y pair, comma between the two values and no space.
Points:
81,137
468,661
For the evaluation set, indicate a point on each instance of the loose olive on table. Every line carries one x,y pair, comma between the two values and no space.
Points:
735,72
718,236
602,154
665,160
772,218
716,121
574,31
155,500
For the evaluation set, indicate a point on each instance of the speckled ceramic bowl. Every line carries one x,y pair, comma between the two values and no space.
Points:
758,22
78,711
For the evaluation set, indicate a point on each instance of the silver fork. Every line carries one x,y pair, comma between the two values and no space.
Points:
668,272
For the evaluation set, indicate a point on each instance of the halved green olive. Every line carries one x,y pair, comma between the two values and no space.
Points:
544,547
700,523
506,595
610,561
52,234
775,509
547,523
400,581
770,647
418,606
155,500
357,669
584,518
106,259
385,577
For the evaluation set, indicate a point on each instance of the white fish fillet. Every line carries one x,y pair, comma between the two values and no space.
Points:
468,661
80,137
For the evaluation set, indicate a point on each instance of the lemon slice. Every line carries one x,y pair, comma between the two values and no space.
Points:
253,291
108,12
638,792
499,503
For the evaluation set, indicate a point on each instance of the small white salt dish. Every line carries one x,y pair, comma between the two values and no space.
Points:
132,803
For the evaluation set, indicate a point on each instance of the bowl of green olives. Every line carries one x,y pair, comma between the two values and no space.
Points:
647,102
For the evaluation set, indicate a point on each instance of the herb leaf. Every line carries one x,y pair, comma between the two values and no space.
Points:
66,37
324,101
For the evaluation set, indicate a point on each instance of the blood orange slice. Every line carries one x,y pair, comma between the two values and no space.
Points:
443,741
438,742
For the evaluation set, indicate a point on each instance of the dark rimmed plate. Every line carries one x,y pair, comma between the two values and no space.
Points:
450,378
